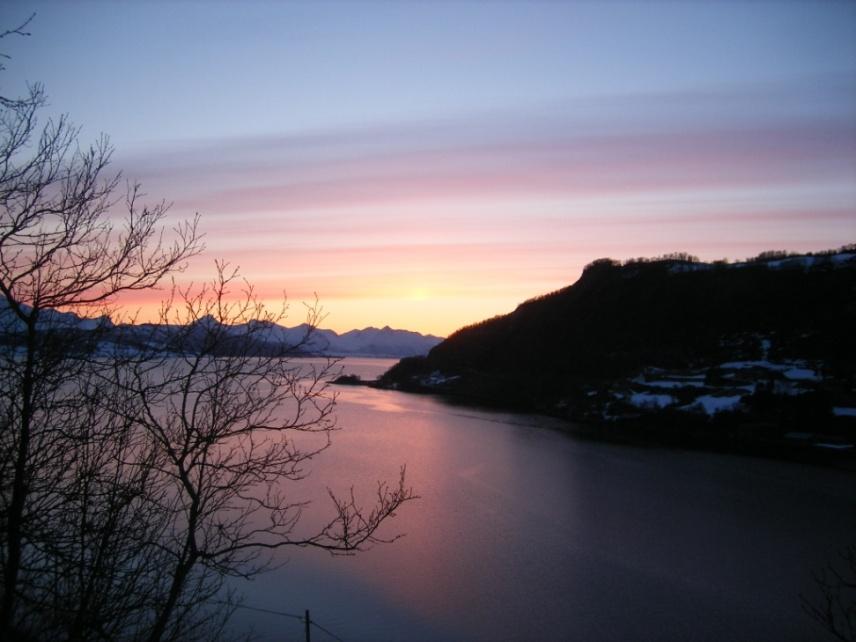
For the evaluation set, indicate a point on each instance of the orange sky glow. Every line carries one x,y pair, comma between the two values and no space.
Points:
427,230
429,165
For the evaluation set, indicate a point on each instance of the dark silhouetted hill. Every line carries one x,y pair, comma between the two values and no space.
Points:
592,350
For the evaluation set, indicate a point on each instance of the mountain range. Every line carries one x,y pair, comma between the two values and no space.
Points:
267,337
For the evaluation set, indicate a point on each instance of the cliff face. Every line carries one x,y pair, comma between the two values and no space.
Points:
612,344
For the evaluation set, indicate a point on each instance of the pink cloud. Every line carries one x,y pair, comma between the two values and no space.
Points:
509,207
572,166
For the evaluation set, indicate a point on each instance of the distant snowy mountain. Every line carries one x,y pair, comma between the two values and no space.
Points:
368,342
383,342
302,339
11,323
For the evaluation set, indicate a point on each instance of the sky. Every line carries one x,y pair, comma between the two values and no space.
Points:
429,165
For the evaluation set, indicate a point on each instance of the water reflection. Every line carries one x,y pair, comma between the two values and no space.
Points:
524,533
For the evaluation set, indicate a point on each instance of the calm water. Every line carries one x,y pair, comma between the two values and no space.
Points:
523,533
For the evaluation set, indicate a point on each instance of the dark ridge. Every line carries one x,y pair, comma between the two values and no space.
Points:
572,352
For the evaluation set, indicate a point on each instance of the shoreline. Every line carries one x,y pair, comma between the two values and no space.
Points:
657,430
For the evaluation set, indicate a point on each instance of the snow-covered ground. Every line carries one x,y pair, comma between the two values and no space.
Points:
648,400
759,363
789,262
801,374
721,388
675,384
793,370
711,404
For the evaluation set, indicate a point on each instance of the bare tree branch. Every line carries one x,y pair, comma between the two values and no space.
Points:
834,604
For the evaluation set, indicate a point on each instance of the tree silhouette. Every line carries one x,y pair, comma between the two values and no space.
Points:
834,604
131,484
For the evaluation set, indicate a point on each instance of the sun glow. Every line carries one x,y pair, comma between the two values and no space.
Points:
419,294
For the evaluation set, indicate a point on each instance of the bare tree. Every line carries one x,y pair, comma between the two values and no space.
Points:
233,420
61,248
834,604
133,482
